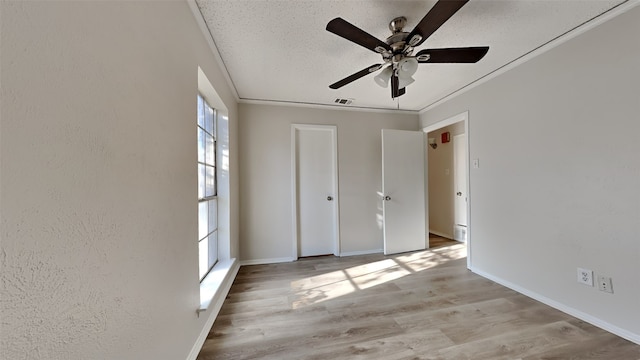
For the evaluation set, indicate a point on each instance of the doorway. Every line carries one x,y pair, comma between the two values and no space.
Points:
448,190
315,190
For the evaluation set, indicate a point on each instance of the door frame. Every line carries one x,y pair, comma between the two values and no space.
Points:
294,184
464,116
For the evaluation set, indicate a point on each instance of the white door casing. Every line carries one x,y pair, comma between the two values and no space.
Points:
461,117
403,184
315,190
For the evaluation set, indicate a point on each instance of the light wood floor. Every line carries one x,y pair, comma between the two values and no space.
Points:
422,305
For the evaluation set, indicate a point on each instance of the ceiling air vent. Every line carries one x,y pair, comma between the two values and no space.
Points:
343,101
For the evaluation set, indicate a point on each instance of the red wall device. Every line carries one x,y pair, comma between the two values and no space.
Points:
444,137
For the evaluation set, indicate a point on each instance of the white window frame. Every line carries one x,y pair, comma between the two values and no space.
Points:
207,188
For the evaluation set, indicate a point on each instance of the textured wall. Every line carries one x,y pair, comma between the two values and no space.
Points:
98,179
265,164
557,187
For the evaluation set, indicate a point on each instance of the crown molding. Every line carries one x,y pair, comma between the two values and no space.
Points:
326,106
197,14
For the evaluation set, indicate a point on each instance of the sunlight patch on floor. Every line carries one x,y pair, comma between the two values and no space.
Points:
423,260
334,284
393,272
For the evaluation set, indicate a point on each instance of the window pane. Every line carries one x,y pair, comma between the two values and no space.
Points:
203,219
202,145
203,258
213,214
210,147
201,181
208,119
211,181
201,111
213,248
214,131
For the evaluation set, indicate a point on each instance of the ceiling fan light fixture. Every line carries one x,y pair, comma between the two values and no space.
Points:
382,79
404,82
407,67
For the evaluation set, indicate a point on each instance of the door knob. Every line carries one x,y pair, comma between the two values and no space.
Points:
329,198
387,198
459,193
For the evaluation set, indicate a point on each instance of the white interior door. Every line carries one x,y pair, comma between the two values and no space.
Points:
403,185
315,169
460,179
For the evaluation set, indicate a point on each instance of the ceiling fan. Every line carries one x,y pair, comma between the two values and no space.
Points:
399,63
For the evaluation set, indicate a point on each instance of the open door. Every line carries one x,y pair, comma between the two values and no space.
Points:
403,191
460,187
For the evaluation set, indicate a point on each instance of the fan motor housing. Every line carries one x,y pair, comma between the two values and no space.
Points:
397,40
397,24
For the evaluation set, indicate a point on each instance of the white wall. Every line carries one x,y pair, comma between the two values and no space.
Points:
441,181
98,179
557,187
265,185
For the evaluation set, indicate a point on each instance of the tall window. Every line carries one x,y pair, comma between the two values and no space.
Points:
207,191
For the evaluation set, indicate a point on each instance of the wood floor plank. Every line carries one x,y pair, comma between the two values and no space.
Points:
498,324
402,346
420,305
603,347
516,344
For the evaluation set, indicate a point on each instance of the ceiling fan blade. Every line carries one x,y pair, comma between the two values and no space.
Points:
395,84
356,76
350,32
438,15
453,55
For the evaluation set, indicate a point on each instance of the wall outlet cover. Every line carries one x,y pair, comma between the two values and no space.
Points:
604,284
585,276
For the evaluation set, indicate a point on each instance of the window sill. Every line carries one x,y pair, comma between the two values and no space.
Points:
217,283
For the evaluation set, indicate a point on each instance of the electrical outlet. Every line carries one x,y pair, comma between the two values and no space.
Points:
604,284
585,276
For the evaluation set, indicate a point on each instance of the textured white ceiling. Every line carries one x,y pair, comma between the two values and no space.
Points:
280,50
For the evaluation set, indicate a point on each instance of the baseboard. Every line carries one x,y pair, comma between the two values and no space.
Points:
213,309
363,252
633,337
448,236
267,261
